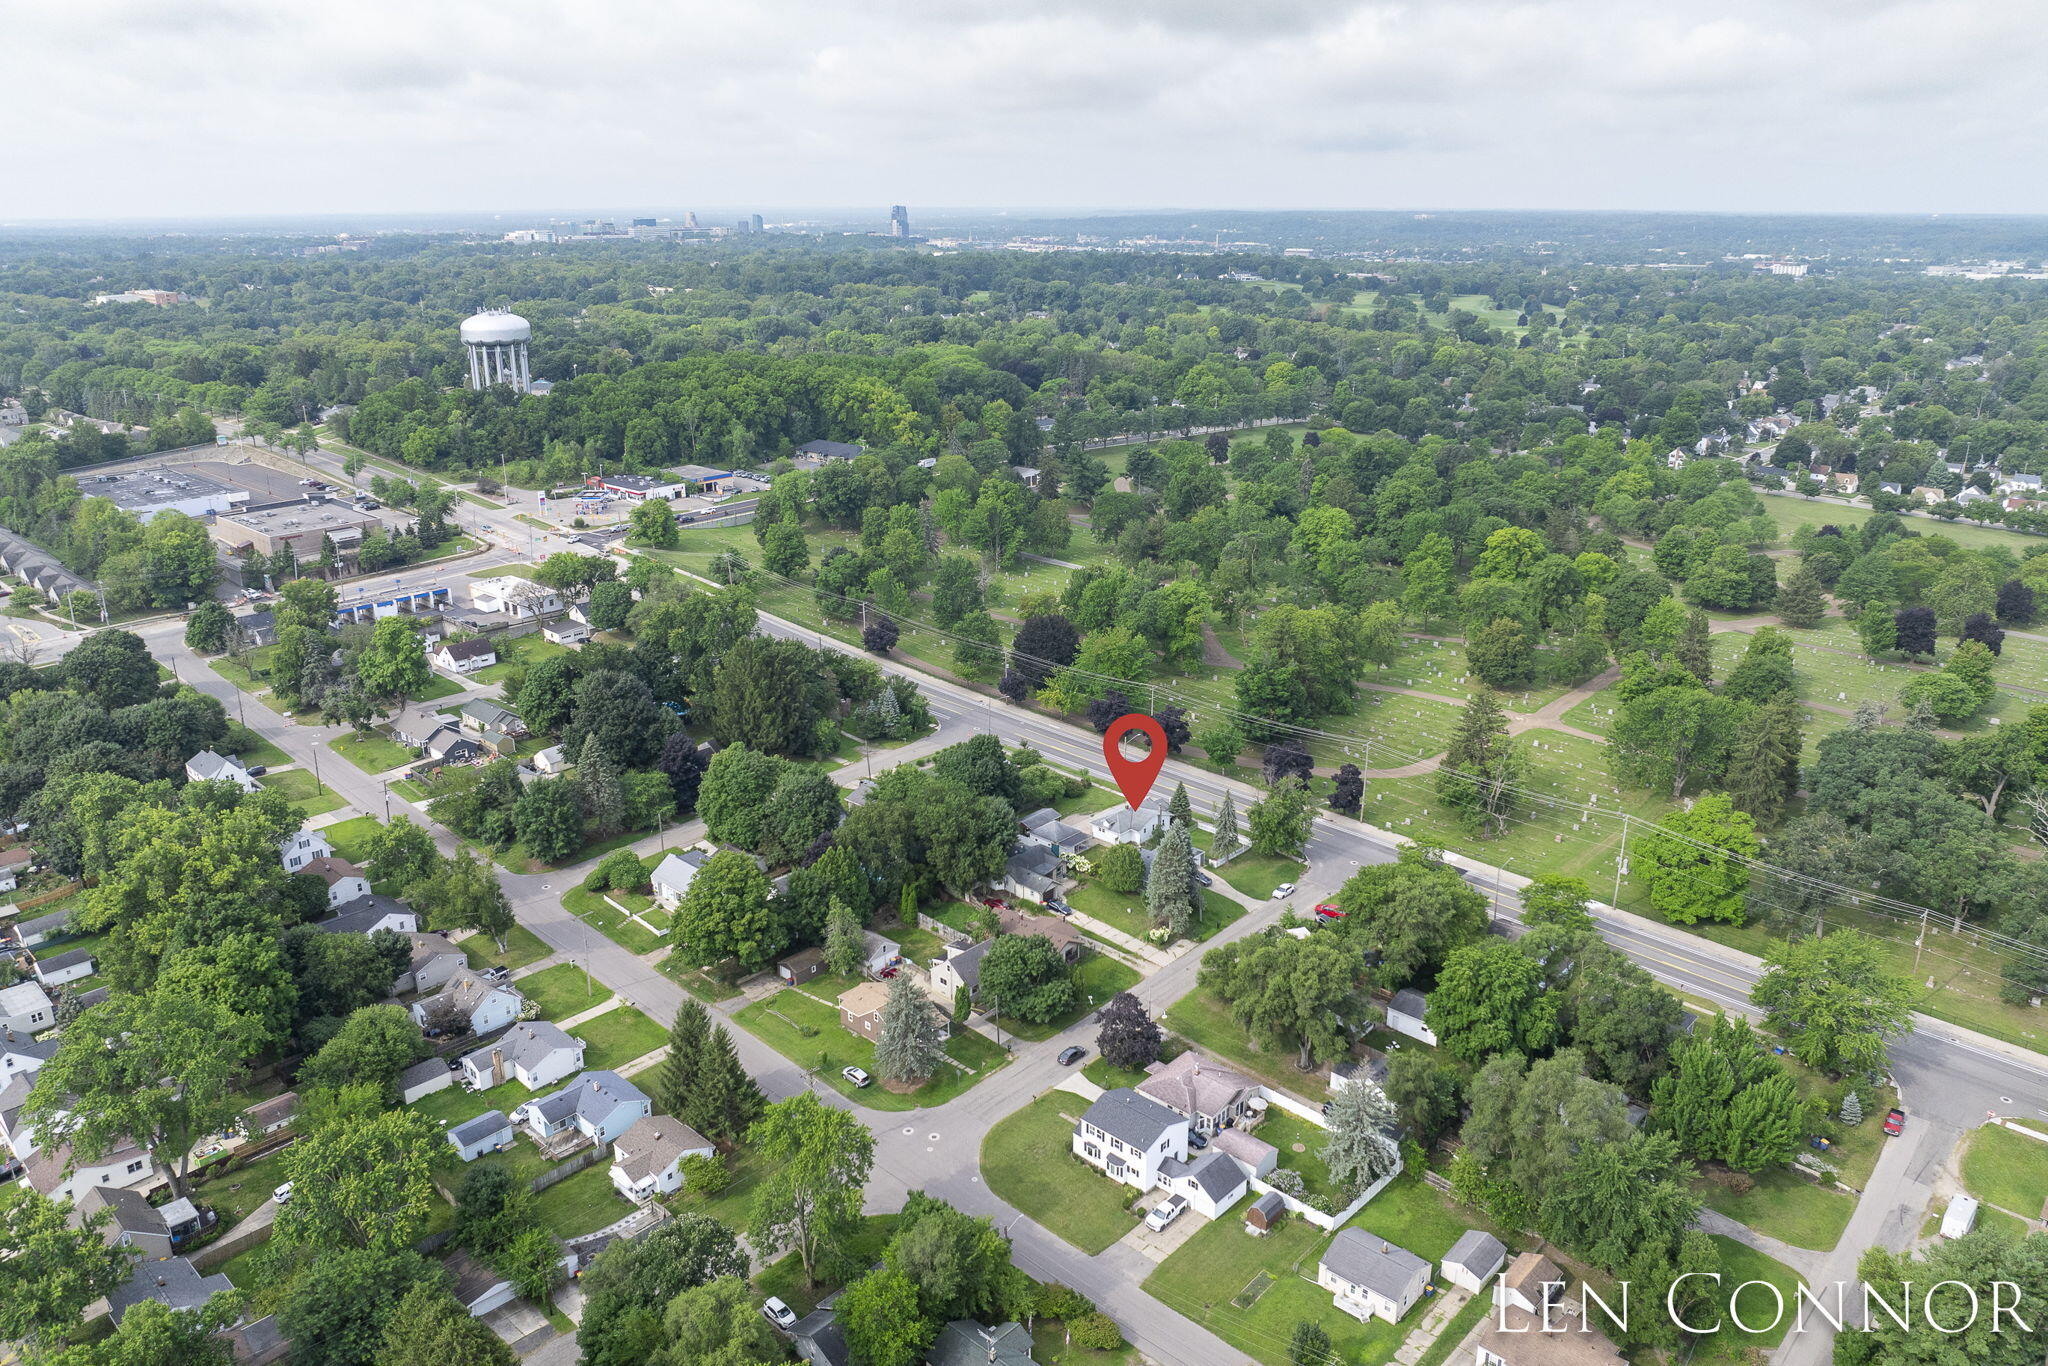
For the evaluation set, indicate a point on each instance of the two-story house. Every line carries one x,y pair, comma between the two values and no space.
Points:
1130,1137
300,848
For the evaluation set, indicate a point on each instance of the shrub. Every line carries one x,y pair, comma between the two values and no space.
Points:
1097,1332
1288,1181
1056,1301
705,1175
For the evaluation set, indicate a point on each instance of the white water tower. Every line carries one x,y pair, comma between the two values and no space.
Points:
497,340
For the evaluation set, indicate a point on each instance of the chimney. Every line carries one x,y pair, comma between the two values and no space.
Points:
497,1067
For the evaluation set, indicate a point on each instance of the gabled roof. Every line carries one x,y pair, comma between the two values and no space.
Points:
1123,1113
594,1096
1249,1149
819,1339
173,1281
1529,1273
330,869
69,959
432,1069
23,998
1409,1001
276,1110
465,991
528,1044
359,914
206,764
963,1343
838,450
476,647
490,715
1218,1176
44,924
1194,1085
1477,1251
1370,1262
679,868
967,962
654,1144
482,1127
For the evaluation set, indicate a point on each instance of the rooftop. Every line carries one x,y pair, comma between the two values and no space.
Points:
1123,1113
142,490
1194,1085
1370,1262
528,1043
654,1144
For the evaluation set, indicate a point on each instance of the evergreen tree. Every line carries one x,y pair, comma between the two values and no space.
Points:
1180,808
1852,1109
2015,603
1695,648
725,1101
1228,834
1479,772
1801,602
597,781
1362,1147
676,1079
1170,890
845,944
1763,763
909,1046
1347,795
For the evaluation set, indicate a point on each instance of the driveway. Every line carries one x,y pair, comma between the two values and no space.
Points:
1156,1245
516,1322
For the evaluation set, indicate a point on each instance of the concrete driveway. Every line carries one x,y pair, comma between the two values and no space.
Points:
516,1322
1157,1246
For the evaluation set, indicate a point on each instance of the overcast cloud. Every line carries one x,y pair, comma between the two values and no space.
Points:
211,107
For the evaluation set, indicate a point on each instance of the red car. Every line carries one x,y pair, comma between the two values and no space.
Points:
1330,910
1895,1123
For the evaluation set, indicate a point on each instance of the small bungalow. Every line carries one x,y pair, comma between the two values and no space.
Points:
369,913
552,760
1211,1181
673,875
269,1116
448,745
173,1282
434,960
1254,1154
801,966
599,1105
1474,1259
69,966
1369,1277
345,882
29,933
563,631
879,954
1210,1096
300,848
478,1289
469,1000
487,1133
647,1160
534,1053
860,1009
481,717
133,1222
207,767
463,657
1405,1014
25,1009
1123,824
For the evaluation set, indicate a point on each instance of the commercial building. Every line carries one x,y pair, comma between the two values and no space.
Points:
148,492
302,526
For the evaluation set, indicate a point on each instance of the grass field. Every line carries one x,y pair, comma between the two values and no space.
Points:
563,990
1784,1206
1205,1022
2006,1169
303,791
1028,1160
372,753
518,653
522,946
807,1032
264,753
1740,1265
349,838
1259,875
609,921
1300,1144
1791,512
617,1037
1128,913
584,1203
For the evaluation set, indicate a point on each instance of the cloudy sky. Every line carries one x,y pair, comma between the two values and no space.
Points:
125,108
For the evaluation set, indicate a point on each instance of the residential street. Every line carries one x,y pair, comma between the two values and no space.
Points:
1950,1080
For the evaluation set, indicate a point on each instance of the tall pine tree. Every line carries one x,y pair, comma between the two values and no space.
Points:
1695,648
909,1046
1170,890
1228,834
1180,808
1801,602
676,1079
597,780
1479,772
845,944
724,1100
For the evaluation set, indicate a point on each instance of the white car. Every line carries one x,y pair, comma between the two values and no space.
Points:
855,1075
778,1313
1165,1212
1283,891
283,1194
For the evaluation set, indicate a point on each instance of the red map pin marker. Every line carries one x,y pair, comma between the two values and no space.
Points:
1134,776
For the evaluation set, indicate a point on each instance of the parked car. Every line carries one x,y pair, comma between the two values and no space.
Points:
1329,910
1070,1056
1165,1212
857,1076
496,974
1283,891
1895,1122
778,1313
283,1194
1204,879
1197,1141
257,770
454,1064
1058,907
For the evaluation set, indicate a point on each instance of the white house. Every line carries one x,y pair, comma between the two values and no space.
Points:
534,1053
19,1137
29,933
463,657
599,1105
13,863
1474,1259
487,1133
647,1160
1404,1015
469,999
1130,1138
514,596
1369,1277
206,766
300,848
25,1009
674,874
125,1164
1531,1281
1208,1095
58,968
880,954
565,632
1211,1181
553,759
345,882
370,913
434,960
478,1289
1122,824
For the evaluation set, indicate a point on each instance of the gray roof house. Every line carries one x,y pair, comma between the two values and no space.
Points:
600,1105
368,914
206,766
960,967
1212,1181
134,1222
1405,1014
964,1343
1122,824
674,874
174,1281
57,968
25,1008
1130,1137
1474,1259
29,933
1033,871
423,1079
647,1159
488,1132
819,1339
21,1055
1207,1093
829,450
481,715
534,1053
469,1000
1370,1277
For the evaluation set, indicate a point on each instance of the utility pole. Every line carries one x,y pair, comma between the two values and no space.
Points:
1620,862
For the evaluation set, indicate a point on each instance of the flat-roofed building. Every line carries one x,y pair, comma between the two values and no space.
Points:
148,492
302,526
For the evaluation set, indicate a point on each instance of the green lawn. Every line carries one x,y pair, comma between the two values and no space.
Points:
1289,1132
452,1105
2007,1169
1251,1292
1203,1020
237,1193
372,753
807,1032
517,654
584,1203
696,981
350,838
1049,1347
1411,1214
617,1037
609,921
1028,1160
522,946
303,791
1096,978
563,990
264,753
1740,1264
1784,1206
1128,913
439,686
1256,875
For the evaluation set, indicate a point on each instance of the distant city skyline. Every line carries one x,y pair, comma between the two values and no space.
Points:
213,108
